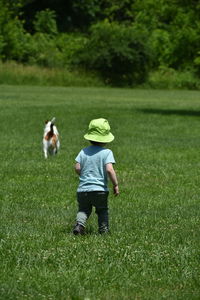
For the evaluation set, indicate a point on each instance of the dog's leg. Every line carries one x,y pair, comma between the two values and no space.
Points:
57,146
45,153
55,150
45,149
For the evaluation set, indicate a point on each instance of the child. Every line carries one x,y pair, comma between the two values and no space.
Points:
93,165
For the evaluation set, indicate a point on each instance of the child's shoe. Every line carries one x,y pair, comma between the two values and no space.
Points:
103,229
78,229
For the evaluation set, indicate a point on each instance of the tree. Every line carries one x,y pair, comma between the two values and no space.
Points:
119,53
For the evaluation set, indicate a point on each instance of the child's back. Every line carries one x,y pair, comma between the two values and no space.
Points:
93,160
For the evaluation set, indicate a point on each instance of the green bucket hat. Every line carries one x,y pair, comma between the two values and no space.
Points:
99,131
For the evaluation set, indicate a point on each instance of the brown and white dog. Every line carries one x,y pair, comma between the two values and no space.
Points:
51,143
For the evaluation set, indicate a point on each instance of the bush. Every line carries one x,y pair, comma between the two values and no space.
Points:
69,44
161,46
12,35
41,47
197,64
45,22
1,45
42,50
118,52
46,47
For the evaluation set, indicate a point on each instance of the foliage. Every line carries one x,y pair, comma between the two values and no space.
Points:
70,44
117,11
174,30
122,40
197,63
45,22
85,13
12,34
186,41
161,46
15,7
118,52
169,78
44,52
1,45
51,52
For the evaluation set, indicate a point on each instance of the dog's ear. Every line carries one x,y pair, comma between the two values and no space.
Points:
46,121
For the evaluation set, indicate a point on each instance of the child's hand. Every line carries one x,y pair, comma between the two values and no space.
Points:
116,190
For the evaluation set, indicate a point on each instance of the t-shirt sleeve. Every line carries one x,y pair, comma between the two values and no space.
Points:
110,158
78,158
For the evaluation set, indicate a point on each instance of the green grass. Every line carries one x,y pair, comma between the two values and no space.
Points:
153,249
17,74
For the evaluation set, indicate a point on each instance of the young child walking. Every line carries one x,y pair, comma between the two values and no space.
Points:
94,165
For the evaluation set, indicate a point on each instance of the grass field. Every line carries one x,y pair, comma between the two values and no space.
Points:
153,249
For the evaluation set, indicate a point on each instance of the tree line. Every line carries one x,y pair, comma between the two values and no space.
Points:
122,41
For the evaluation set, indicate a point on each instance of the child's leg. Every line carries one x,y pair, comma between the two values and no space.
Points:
84,208
100,202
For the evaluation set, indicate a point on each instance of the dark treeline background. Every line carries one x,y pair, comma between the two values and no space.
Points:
122,41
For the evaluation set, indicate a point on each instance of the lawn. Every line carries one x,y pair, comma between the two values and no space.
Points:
153,249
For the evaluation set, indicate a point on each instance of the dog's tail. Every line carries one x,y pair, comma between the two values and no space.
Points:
51,132
53,120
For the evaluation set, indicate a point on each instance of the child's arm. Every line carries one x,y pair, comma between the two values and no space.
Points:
113,178
78,168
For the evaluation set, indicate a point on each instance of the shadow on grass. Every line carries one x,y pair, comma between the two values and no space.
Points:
179,112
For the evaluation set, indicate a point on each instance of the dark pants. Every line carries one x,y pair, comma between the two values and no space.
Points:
86,200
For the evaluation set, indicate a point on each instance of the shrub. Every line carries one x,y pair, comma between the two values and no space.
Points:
118,52
45,22
1,45
12,35
197,64
41,47
69,44
161,46
43,51
46,47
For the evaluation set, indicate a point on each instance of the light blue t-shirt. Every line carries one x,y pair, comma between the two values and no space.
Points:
93,160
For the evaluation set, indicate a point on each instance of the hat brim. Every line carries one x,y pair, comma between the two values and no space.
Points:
99,138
